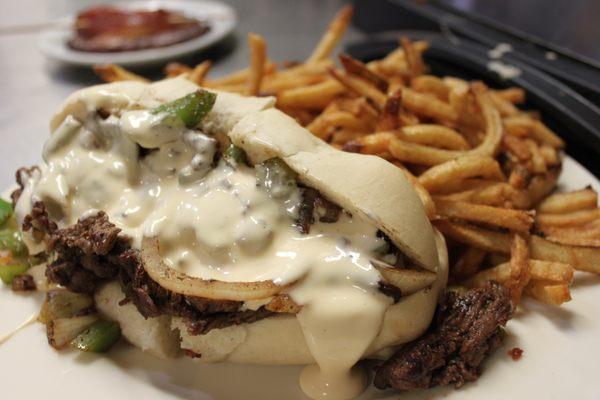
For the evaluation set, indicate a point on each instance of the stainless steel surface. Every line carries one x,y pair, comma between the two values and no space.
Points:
32,88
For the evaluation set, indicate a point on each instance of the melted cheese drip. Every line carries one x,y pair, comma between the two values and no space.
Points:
7,336
215,223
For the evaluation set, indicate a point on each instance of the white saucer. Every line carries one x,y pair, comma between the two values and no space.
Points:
221,17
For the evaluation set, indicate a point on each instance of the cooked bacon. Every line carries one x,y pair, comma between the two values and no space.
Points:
110,29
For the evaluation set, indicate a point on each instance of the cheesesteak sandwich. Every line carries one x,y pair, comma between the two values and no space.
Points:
214,225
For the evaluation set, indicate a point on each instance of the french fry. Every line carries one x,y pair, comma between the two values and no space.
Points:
313,97
587,235
344,135
484,239
427,105
551,294
517,146
550,155
504,107
551,271
236,78
423,155
581,258
545,271
389,117
434,135
536,129
514,95
114,73
538,163
514,220
568,219
493,124
313,69
431,84
374,143
519,268
360,87
541,185
199,72
462,102
358,68
457,186
459,169
258,55
495,194
413,57
273,84
560,203
336,29
174,69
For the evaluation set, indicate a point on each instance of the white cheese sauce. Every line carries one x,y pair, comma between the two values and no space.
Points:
215,222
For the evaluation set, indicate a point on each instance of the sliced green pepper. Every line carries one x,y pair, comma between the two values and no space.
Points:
276,178
235,155
5,210
11,240
98,338
188,110
10,271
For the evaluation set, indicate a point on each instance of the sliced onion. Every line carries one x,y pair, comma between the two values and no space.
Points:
62,330
283,303
408,281
187,285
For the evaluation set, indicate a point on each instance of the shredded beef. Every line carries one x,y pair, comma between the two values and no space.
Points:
82,254
38,220
390,291
70,275
467,328
306,209
314,203
21,172
92,251
328,212
23,283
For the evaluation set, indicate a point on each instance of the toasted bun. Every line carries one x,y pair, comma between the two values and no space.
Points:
364,185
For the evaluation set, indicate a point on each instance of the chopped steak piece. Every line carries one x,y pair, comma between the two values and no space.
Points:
390,291
23,283
19,175
200,326
91,236
468,327
71,276
306,210
328,212
515,353
38,220
92,251
82,253
314,203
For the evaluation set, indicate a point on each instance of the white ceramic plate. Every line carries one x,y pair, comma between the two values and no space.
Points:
221,18
560,360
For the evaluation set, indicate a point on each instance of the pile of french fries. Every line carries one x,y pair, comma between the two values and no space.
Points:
483,168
